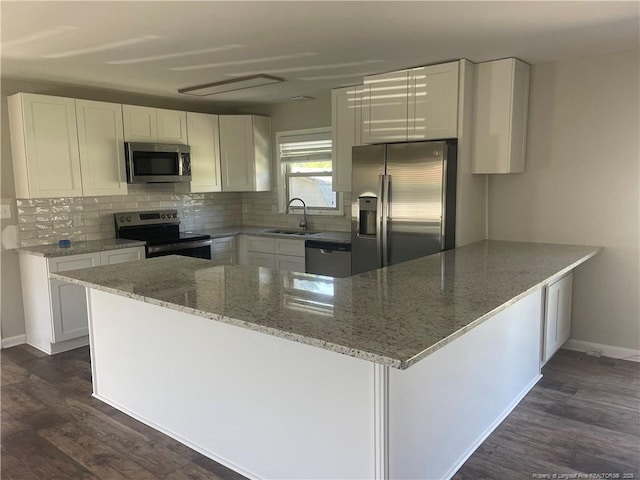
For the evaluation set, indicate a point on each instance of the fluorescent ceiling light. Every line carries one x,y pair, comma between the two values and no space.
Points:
243,62
313,67
106,46
174,55
231,85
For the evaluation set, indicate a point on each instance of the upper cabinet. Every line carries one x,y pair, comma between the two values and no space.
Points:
346,123
433,102
63,147
101,146
154,125
44,144
245,153
204,141
500,116
414,104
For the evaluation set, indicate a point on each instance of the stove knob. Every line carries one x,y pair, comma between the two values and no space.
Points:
128,218
175,215
121,219
164,216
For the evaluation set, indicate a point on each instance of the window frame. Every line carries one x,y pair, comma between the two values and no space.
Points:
283,176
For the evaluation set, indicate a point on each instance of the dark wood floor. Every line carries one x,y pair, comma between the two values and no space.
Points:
582,417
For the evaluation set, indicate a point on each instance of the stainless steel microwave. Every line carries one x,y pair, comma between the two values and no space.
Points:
157,162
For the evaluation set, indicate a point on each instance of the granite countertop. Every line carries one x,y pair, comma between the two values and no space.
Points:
77,248
392,316
325,236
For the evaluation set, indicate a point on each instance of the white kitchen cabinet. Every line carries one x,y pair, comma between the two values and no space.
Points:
245,153
56,311
289,263
500,116
415,104
557,325
121,255
44,144
101,147
154,125
346,123
384,107
223,251
432,104
272,252
204,140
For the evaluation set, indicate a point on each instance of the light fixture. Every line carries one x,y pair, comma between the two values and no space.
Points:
231,85
301,98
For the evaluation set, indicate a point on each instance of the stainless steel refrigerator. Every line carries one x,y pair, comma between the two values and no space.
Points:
403,202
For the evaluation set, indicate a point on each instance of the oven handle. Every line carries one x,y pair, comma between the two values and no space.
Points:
179,246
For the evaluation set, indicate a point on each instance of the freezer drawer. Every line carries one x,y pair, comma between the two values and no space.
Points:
326,258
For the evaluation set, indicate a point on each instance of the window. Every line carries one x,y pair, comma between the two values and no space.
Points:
306,171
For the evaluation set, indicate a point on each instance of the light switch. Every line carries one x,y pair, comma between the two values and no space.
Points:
5,211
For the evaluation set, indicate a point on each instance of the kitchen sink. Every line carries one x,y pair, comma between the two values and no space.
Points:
282,231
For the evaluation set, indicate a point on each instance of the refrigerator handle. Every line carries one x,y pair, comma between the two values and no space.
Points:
385,220
380,213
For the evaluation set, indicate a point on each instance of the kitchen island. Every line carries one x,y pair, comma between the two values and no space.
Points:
396,373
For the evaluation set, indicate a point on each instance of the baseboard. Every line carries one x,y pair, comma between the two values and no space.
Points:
178,438
605,350
491,428
13,341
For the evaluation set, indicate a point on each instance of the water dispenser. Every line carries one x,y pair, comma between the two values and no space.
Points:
368,215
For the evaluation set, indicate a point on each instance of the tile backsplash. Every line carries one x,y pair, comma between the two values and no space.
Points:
47,220
261,209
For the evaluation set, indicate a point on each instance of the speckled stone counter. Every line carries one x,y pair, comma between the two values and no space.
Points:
77,248
326,236
392,316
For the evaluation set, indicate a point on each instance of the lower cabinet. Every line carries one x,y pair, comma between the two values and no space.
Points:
274,253
557,325
56,321
223,251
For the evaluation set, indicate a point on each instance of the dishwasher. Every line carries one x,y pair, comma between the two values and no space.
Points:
328,258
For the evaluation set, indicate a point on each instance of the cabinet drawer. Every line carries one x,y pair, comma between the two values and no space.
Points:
259,259
260,244
223,245
73,262
121,255
289,247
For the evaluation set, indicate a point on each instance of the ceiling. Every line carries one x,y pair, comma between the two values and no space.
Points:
156,48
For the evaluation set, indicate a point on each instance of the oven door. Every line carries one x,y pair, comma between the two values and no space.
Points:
198,249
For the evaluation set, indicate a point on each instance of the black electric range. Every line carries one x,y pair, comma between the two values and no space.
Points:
160,229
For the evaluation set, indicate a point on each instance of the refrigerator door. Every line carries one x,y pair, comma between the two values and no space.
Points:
366,207
415,199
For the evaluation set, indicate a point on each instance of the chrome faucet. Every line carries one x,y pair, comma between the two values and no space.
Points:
304,224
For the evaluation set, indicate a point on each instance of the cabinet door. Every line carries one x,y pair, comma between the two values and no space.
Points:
121,255
140,124
172,126
384,107
50,140
346,122
289,263
557,315
260,244
289,247
69,301
433,102
101,145
204,141
236,153
259,259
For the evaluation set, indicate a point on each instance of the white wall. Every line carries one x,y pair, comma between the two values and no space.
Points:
581,186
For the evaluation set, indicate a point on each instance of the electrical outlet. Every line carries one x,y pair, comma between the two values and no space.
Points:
5,211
